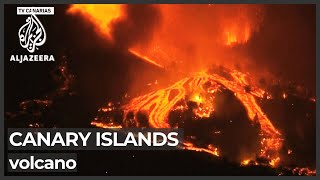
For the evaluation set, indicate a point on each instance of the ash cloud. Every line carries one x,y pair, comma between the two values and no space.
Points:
136,25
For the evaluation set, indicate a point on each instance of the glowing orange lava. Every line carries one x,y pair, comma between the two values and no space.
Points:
160,103
145,58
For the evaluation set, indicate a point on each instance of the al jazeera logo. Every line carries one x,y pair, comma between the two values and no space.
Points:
32,35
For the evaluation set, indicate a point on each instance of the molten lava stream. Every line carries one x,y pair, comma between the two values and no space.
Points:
145,58
159,104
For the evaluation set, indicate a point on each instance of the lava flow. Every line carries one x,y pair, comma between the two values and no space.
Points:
201,88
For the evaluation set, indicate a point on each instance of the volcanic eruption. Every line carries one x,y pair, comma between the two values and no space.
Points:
197,49
200,86
210,87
